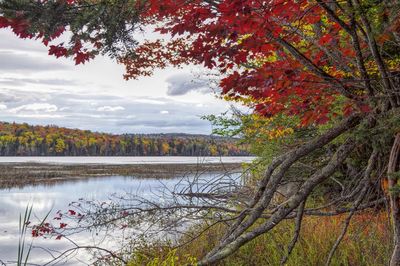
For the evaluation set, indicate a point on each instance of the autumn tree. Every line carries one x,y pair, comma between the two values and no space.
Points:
22,139
332,66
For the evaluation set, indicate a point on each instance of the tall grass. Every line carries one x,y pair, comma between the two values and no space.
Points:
367,243
23,253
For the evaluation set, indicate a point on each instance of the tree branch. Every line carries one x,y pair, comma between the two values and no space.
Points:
227,249
365,181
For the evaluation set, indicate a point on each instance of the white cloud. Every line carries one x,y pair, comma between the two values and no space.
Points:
12,62
95,96
110,108
40,116
65,109
149,101
35,107
182,117
95,116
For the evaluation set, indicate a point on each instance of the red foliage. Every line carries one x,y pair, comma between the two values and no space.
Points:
72,212
42,230
22,28
230,35
58,51
255,45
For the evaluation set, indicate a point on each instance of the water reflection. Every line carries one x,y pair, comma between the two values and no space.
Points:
57,196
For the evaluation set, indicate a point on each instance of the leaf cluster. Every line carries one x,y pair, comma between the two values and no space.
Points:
104,26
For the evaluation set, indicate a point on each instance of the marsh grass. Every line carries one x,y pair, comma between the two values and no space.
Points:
367,243
22,174
24,249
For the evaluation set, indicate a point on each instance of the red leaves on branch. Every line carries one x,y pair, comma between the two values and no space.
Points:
327,38
19,26
58,51
4,23
71,212
287,56
35,233
57,33
42,229
80,55
22,28
234,36
81,58
151,55
46,229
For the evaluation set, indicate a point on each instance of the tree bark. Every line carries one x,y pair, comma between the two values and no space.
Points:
393,166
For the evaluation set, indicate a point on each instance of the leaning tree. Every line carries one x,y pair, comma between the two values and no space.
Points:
331,63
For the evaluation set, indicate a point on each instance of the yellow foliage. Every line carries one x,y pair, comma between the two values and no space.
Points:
246,100
392,64
60,145
243,37
165,148
278,133
258,127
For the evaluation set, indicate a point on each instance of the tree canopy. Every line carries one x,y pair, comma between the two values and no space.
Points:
293,57
27,140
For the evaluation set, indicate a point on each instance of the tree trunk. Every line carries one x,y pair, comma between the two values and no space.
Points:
394,160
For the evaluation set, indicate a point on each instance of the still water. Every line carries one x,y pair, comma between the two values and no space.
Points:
56,197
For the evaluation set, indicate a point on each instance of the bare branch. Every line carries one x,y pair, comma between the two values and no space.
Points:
226,249
299,218
365,181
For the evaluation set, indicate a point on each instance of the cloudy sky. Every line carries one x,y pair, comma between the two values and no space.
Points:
41,90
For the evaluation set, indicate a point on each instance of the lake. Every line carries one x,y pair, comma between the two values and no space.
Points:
57,196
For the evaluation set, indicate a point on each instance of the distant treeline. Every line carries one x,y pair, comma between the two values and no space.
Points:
27,140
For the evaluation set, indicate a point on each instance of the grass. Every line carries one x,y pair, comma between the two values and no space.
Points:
367,243
22,174
24,250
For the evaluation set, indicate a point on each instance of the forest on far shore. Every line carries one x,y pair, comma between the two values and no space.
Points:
26,140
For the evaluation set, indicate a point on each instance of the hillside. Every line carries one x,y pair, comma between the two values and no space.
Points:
27,140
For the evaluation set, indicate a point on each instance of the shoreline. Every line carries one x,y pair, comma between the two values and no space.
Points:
22,174
125,160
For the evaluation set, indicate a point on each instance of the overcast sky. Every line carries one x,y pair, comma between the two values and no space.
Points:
39,89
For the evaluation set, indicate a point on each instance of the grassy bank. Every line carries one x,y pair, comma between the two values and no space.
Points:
368,242
20,174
